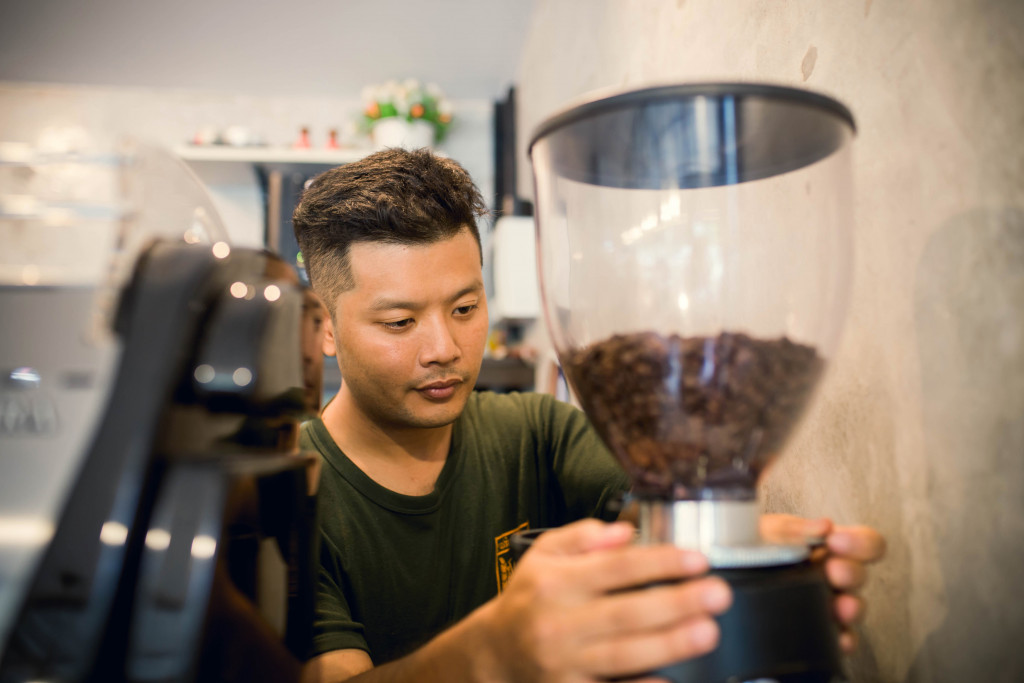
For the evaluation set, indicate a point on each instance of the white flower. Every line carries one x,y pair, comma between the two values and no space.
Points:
401,104
406,95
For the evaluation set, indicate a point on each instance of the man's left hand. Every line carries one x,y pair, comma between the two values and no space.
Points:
848,550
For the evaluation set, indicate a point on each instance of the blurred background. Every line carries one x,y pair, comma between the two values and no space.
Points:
919,429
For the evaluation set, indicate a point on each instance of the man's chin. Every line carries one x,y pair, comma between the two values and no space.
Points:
432,420
438,414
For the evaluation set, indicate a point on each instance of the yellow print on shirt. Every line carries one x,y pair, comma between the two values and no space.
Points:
503,555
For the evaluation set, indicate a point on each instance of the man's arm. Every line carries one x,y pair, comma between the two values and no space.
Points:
451,656
338,665
567,614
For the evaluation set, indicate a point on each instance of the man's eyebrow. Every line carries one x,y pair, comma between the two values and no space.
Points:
474,288
382,303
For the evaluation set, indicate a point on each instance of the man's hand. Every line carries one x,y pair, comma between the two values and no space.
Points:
566,614
849,549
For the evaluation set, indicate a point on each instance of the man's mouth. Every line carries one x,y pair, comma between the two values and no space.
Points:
440,390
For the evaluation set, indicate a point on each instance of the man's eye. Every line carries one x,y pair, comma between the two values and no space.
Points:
398,324
465,310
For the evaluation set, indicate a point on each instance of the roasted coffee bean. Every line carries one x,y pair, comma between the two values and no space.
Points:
686,414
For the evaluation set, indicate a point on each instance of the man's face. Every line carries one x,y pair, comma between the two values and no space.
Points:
410,334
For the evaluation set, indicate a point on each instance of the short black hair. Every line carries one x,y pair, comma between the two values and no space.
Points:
394,196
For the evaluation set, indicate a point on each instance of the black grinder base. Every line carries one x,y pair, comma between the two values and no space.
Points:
780,626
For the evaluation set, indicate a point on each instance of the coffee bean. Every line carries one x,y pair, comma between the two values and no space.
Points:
684,415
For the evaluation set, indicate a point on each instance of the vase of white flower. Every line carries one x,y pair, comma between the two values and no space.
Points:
405,114
397,132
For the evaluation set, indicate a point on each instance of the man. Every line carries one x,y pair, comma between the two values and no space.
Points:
424,480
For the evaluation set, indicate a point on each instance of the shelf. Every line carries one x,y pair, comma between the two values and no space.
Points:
269,155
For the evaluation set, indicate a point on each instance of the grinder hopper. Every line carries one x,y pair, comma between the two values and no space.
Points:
694,252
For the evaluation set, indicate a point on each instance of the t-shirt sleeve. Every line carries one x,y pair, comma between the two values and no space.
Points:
333,626
590,479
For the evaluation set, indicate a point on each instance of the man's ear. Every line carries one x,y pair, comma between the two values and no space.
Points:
329,348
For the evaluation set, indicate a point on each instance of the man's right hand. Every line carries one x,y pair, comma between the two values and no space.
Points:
585,603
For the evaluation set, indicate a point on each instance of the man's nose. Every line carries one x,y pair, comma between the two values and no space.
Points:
438,344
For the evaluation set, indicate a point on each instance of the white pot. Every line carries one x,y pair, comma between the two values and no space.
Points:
396,132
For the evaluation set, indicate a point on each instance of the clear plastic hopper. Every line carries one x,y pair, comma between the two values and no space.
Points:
694,245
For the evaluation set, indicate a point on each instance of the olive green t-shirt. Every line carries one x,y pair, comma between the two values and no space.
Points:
395,570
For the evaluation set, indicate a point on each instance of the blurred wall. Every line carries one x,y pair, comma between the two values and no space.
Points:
98,116
919,429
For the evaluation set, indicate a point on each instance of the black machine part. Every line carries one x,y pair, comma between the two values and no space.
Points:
67,607
105,575
720,134
780,627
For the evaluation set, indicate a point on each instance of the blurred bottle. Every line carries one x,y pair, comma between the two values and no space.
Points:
303,140
332,140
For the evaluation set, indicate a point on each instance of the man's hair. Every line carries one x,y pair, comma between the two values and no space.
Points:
393,196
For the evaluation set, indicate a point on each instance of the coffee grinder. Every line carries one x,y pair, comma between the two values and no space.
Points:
156,513
694,252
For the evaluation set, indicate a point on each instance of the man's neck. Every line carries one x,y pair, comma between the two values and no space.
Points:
406,461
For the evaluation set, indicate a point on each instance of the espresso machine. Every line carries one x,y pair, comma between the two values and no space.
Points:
155,512
694,246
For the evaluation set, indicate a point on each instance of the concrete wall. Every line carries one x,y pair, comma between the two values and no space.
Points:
919,429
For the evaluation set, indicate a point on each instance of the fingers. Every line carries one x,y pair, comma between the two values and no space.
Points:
848,642
856,543
849,609
584,536
620,564
790,529
573,613
639,652
638,565
845,575
653,608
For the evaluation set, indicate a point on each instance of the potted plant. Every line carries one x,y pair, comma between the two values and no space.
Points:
406,114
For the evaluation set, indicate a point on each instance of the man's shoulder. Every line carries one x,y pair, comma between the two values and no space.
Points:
519,411
309,434
314,438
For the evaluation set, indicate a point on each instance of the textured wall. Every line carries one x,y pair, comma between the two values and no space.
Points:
919,430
